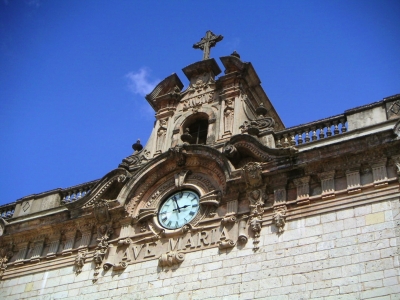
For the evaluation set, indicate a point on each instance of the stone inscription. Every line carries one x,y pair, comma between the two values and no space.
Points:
191,241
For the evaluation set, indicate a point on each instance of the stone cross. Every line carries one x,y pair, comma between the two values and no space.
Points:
207,42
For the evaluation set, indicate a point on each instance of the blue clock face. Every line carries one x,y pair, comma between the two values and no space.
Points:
179,209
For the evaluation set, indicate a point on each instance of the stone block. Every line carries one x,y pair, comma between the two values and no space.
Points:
391,281
375,218
311,221
345,214
249,286
329,217
325,292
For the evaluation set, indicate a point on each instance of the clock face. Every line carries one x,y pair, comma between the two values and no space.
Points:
179,209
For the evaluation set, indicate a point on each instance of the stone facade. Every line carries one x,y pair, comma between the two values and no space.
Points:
222,202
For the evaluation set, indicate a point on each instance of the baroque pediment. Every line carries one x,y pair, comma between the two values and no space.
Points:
103,195
244,148
168,89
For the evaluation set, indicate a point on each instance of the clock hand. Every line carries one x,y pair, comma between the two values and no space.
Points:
181,207
177,206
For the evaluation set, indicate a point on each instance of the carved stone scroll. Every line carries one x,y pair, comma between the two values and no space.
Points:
171,258
226,244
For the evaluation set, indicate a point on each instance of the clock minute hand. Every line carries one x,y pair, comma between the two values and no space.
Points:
177,206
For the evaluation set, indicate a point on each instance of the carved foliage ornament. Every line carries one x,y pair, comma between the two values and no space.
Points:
6,252
251,173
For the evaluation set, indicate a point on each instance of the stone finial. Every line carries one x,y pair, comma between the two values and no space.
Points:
234,53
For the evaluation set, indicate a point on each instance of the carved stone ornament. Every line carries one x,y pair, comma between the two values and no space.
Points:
180,178
255,225
136,159
104,233
280,219
254,127
226,244
171,258
396,160
100,210
396,130
179,154
252,174
6,252
80,261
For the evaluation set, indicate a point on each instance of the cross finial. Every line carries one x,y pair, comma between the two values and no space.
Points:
208,41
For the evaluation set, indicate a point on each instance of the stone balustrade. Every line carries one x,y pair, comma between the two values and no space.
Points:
76,192
310,132
7,210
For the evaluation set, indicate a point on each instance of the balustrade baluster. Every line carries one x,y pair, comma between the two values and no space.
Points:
292,139
314,134
307,137
336,129
328,129
299,137
278,142
321,132
343,122
285,141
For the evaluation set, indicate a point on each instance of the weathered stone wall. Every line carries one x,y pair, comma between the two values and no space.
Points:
348,254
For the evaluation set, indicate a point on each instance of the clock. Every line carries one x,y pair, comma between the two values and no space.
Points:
178,209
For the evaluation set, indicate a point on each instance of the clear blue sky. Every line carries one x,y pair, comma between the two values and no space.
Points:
73,74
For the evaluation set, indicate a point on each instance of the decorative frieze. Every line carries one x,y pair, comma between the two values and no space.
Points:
353,181
328,184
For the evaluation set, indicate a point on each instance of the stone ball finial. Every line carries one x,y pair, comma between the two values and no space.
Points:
137,146
234,53
261,110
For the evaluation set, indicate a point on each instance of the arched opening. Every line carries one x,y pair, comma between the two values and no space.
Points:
198,131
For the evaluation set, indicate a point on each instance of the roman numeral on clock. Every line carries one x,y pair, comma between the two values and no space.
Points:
192,213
